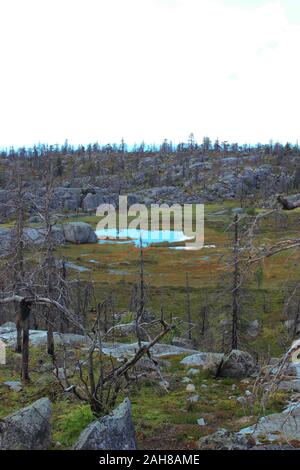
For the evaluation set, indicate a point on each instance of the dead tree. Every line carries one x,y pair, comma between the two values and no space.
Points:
49,266
188,306
235,286
140,312
104,382
17,262
25,309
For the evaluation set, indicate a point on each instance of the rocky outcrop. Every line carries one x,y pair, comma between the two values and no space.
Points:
28,429
279,427
112,432
237,364
73,232
225,440
8,334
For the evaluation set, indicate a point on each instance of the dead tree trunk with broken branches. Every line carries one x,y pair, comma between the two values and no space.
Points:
235,286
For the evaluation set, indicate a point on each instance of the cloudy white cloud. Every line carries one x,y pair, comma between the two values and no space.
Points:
92,70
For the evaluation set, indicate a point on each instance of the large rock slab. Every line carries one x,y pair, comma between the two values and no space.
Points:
28,429
123,350
112,432
237,364
279,427
204,360
224,440
8,334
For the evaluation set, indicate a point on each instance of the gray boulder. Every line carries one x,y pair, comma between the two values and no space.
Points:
28,429
112,432
237,364
79,232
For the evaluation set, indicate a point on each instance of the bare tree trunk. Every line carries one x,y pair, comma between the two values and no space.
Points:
188,306
50,337
235,286
25,351
18,347
25,309
141,308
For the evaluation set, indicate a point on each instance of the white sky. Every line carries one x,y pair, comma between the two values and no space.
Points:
101,70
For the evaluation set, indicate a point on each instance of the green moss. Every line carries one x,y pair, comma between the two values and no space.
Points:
69,423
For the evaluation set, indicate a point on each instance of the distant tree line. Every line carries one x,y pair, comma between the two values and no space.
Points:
166,147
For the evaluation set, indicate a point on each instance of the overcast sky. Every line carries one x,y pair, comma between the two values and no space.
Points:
100,70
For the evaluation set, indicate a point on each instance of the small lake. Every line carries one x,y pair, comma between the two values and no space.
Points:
133,236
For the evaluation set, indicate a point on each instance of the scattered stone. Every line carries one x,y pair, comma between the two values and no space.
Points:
186,380
248,393
201,422
112,432
253,329
28,428
193,372
204,386
14,386
193,399
241,399
164,384
190,388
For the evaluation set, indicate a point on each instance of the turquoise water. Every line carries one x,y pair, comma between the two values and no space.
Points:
134,236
